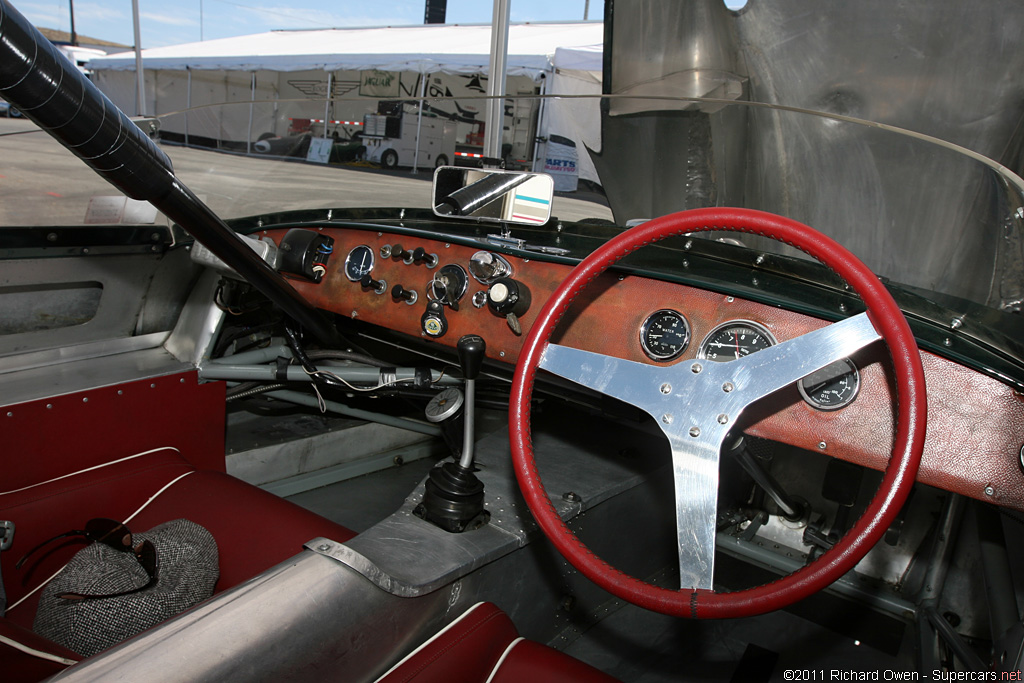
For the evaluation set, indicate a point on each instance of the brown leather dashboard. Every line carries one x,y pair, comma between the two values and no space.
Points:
975,423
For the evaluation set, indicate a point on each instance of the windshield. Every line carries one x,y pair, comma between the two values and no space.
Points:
918,211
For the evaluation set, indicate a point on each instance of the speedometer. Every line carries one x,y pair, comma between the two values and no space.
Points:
735,339
665,335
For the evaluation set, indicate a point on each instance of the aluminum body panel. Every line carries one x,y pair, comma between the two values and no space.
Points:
946,70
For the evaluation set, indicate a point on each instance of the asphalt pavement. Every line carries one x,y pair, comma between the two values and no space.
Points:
41,183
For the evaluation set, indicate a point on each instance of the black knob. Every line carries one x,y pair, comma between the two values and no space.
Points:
400,293
398,252
471,348
368,282
508,296
420,255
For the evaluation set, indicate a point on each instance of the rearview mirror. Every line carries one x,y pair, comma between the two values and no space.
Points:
497,196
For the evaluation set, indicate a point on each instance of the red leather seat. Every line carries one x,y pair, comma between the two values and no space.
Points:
63,479
483,645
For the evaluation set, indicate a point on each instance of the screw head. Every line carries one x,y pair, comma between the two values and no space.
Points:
696,368
990,491
728,387
695,432
667,418
323,547
822,445
666,388
723,419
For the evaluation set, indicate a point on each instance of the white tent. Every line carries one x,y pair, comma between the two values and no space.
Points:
287,67
424,49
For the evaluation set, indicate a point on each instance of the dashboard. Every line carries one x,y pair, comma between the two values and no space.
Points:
440,291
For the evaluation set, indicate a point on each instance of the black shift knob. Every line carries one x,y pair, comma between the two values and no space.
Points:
471,349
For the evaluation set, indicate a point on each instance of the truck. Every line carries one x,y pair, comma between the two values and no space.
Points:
390,137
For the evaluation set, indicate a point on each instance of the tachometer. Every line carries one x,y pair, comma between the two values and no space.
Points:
665,335
735,339
831,388
358,263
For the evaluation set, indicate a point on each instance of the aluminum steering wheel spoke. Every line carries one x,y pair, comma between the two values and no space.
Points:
696,404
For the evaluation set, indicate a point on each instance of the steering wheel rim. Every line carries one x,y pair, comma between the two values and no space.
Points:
899,475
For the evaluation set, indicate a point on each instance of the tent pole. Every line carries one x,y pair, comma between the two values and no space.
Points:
188,101
252,99
419,124
496,79
140,96
327,102
541,110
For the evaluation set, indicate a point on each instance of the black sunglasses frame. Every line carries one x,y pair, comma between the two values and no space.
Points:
117,536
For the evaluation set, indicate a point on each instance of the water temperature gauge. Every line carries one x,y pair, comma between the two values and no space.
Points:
665,335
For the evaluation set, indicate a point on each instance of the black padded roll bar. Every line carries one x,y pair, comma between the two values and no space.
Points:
36,78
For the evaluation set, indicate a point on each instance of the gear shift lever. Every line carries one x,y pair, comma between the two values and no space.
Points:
471,349
453,497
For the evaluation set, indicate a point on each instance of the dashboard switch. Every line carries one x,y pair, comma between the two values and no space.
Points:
395,251
378,286
508,296
400,293
420,255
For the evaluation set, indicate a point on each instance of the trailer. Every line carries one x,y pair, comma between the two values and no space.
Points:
390,137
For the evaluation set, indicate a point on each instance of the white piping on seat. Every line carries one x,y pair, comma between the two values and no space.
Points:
427,642
37,653
501,659
90,469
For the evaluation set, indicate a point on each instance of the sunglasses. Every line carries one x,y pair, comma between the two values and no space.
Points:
114,535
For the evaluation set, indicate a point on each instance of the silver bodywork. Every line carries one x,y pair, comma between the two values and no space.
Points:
946,70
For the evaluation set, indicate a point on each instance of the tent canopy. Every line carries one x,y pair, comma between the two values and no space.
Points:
454,49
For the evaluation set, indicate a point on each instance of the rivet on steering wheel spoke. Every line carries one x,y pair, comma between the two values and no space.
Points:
728,387
695,431
696,368
723,419
667,418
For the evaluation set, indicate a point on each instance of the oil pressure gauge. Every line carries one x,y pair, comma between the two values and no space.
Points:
665,335
831,388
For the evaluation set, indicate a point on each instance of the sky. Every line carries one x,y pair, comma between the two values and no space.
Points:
171,22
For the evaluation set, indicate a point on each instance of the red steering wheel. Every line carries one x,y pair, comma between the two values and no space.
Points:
899,476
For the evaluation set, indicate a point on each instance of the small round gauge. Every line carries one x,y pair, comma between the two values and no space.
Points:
831,388
449,284
665,335
735,339
358,263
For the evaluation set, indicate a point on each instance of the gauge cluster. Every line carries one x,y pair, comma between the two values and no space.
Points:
440,292
665,336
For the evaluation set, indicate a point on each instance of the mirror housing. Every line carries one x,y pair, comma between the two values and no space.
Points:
490,195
